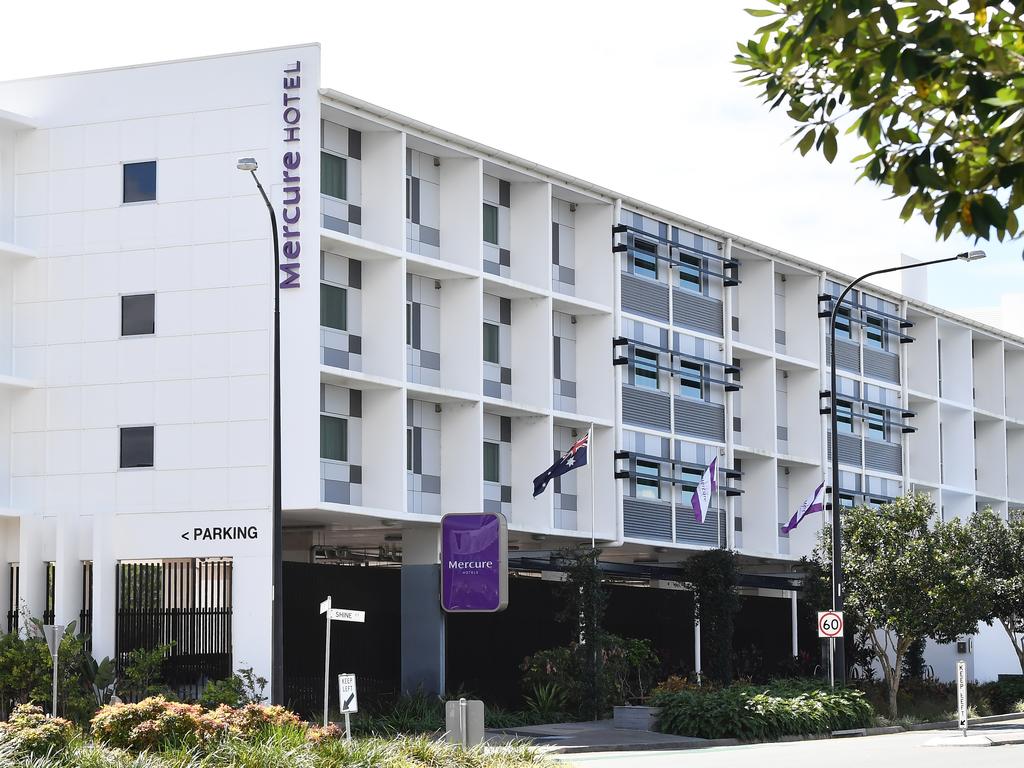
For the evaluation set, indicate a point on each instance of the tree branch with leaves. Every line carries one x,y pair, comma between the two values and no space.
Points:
933,91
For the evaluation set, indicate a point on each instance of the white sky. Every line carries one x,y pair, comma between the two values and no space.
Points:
640,97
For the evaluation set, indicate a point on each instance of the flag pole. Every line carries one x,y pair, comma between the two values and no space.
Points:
718,502
590,461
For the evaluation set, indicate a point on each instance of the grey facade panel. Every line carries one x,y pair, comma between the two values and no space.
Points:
849,449
644,297
708,533
700,313
847,355
880,364
645,407
647,519
700,418
884,457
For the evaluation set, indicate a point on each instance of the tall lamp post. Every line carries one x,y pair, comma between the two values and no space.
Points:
839,657
277,649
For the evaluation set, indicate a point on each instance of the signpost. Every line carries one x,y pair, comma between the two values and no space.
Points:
336,614
348,701
474,563
54,633
961,695
830,625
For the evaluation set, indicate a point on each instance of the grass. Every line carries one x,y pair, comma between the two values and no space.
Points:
286,748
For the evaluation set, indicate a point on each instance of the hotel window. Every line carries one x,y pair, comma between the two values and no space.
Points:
874,332
689,480
490,224
139,182
876,423
333,307
843,324
645,262
846,500
844,416
492,353
647,485
691,380
137,314
333,438
492,463
689,273
136,447
645,369
333,175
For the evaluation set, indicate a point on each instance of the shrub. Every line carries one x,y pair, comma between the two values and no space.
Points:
1004,693
34,732
760,713
217,692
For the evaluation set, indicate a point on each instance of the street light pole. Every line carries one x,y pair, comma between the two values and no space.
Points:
839,656
277,632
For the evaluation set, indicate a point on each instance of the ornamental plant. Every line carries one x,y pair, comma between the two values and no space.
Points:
35,733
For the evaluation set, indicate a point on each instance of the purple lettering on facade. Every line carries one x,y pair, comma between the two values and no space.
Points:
291,163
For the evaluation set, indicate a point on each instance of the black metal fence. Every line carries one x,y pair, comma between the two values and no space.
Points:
13,592
184,604
50,607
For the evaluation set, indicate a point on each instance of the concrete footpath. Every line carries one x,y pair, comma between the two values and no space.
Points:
602,736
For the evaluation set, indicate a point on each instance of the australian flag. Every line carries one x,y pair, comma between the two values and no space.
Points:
575,457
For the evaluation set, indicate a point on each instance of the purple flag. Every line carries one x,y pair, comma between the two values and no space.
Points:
813,503
701,498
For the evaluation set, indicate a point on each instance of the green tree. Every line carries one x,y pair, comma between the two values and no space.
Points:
908,576
584,600
933,89
713,577
998,547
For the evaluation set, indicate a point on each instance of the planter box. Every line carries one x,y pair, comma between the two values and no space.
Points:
636,718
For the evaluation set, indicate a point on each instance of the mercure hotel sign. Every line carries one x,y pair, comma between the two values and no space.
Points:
474,563
291,167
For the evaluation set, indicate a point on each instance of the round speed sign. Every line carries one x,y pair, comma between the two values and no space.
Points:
830,624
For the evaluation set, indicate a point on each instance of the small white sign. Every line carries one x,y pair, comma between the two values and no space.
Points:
830,623
325,606
961,694
347,694
344,614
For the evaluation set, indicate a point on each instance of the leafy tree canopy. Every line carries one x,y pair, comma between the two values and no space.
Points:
998,548
932,89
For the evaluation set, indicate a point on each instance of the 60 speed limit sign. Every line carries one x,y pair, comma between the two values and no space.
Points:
830,623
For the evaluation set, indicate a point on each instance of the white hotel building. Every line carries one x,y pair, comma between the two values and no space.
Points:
452,318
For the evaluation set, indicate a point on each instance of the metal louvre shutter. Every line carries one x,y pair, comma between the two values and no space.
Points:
701,313
849,449
708,533
644,297
700,419
645,407
647,519
847,355
880,364
885,457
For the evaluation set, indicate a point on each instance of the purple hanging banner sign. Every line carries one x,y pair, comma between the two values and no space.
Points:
474,563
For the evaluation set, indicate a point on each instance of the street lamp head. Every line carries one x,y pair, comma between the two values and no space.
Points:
971,255
247,164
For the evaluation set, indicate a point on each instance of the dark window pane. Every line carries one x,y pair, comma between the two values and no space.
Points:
492,352
647,486
333,438
874,333
691,380
136,447
333,307
137,314
843,324
645,266
645,369
139,182
689,273
333,176
490,224
492,463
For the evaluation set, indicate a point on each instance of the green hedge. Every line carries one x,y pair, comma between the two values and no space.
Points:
747,712
1004,694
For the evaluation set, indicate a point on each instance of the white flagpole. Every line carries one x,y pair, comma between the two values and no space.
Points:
590,461
718,502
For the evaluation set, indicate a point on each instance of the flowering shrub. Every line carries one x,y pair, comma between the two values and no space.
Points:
36,733
154,722
319,733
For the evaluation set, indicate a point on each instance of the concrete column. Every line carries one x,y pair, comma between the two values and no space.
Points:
104,599
68,591
32,578
251,606
423,643
794,624
696,647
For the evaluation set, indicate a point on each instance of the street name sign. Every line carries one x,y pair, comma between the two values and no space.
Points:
344,614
